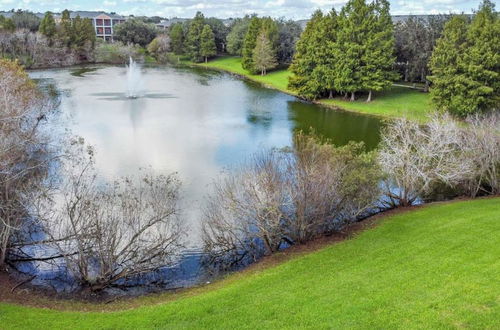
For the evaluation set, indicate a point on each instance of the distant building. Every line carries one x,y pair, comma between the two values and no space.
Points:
165,24
103,23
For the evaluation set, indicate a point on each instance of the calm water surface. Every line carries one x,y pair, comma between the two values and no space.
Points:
194,122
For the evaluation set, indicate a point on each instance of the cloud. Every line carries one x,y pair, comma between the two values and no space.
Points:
295,9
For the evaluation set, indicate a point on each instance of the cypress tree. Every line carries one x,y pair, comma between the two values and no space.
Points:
48,25
376,71
193,40
65,32
446,65
306,60
177,38
264,56
249,43
207,43
482,62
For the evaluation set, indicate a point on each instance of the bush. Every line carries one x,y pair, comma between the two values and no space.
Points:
289,197
117,52
422,161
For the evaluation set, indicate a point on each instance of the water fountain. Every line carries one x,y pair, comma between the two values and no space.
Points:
134,80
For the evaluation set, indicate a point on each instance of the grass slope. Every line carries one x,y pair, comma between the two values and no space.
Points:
397,102
435,267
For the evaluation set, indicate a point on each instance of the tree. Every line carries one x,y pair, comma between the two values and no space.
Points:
135,31
193,40
207,43
48,25
220,32
159,47
22,154
288,35
465,64
26,20
111,232
177,38
6,24
65,29
415,40
249,43
236,36
83,32
378,53
263,56
315,61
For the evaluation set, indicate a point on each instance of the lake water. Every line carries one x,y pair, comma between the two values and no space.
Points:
195,122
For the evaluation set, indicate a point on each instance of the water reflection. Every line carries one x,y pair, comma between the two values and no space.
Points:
190,121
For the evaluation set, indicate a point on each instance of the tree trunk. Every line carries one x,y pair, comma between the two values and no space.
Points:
369,99
426,87
206,59
353,96
331,94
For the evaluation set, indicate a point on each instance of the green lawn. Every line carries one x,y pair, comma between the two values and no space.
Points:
435,267
394,103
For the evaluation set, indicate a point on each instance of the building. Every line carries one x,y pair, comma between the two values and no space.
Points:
103,23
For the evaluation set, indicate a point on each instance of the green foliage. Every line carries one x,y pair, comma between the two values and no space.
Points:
250,42
220,32
264,57
415,41
48,25
345,53
135,31
6,24
26,20
82,31
116,52
289,34
466,64
257,26
193,40
177,38
207,43
236,36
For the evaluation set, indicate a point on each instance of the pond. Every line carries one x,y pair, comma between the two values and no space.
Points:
195,122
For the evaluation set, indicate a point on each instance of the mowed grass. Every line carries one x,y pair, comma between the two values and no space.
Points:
435,267
394,103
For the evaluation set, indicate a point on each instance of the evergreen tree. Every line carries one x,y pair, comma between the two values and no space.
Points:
65,32
356,20
249,43
83,32
482,62
264,57
376,71
177,38
6,24
193,41
306,60
448,71
236,36
48,25
207,43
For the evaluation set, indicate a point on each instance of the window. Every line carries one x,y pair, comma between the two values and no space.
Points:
100,30
98,22
108,38
107,30
107,22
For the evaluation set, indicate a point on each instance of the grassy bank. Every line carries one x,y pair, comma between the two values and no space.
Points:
435,267
397,102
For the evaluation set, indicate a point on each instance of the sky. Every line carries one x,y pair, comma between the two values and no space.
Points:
293,9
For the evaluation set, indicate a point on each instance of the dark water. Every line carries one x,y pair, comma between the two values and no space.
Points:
190,121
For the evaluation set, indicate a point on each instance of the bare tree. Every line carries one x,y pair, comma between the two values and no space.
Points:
108,233
289,197
483,144
22,146
420,158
